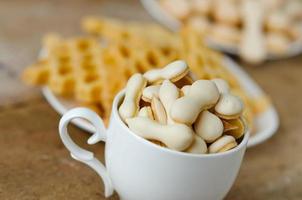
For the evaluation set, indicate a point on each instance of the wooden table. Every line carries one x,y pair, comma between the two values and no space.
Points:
34,163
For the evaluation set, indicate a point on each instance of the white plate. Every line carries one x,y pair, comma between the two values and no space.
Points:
156,11
266,124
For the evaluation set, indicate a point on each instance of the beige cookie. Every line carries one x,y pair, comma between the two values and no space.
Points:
150,92
198,146
158,111
176,136
173,72
222,85
223,144
229,106
146,111
208,126
185,90
168,93
134,88
203,94
252,46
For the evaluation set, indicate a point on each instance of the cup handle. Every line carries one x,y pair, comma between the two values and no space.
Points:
81,154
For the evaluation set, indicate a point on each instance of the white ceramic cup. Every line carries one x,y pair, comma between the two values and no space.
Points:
140,170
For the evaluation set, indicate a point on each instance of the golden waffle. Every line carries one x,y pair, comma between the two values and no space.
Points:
93,69
70,68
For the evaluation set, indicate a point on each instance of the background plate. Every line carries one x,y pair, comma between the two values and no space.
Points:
156,11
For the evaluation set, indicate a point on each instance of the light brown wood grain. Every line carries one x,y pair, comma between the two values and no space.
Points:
34,163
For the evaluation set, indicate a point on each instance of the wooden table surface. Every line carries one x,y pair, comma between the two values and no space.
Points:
34,163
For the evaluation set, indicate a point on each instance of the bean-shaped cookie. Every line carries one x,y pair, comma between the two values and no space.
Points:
229,106
208,126
222,85
185,90
146,111
206,91
173,72
223,144
150,92
203,94
158,111
198,146
252,45
175,136
168,93
134,88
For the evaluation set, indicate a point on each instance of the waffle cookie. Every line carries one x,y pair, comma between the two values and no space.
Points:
70,68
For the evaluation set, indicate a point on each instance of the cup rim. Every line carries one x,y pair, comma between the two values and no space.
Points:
115,104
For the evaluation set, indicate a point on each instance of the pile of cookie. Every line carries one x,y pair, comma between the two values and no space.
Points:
224,21
91,69
168,107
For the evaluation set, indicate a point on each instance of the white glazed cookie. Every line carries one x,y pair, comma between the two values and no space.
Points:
229,106
168,93
206,91
222,85
185,90
173,72
158,111
134,88
198,146
203,94
223,144
146,111
150,92
176,136
252,47
208,126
